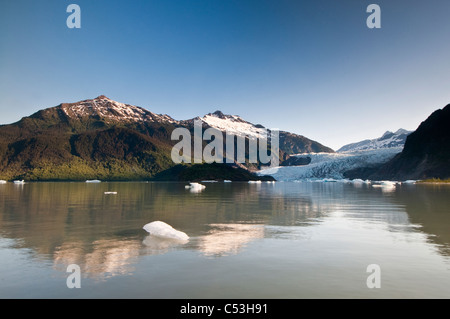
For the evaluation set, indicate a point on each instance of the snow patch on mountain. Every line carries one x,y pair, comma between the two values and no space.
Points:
331,165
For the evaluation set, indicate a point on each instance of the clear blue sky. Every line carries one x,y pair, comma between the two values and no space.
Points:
310,67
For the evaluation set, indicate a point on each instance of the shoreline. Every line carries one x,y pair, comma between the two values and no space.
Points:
434,181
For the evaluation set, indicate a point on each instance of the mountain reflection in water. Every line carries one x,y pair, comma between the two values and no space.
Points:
76,223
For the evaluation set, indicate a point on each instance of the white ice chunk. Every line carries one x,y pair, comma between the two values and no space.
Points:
358,181
163,230
388,183
195,187
386,186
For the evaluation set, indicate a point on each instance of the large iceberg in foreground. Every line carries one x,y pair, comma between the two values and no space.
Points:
163,230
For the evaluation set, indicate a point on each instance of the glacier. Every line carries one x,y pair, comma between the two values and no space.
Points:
330,166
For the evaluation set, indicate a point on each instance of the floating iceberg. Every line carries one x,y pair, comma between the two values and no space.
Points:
227,181
163,230
386,186
2,182
110,193
195,187
254,182
93,181
388,183
358,181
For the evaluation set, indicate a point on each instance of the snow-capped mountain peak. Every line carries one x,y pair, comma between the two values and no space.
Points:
402,131
110,110
386,134
219,114
387,140
234,124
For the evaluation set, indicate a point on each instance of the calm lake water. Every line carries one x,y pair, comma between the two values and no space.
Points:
282,240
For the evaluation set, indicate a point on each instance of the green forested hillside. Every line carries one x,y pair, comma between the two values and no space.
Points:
107,140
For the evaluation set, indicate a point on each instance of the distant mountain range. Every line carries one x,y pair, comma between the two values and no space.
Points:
104,139
387,140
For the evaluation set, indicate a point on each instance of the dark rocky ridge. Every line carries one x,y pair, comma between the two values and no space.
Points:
426,153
